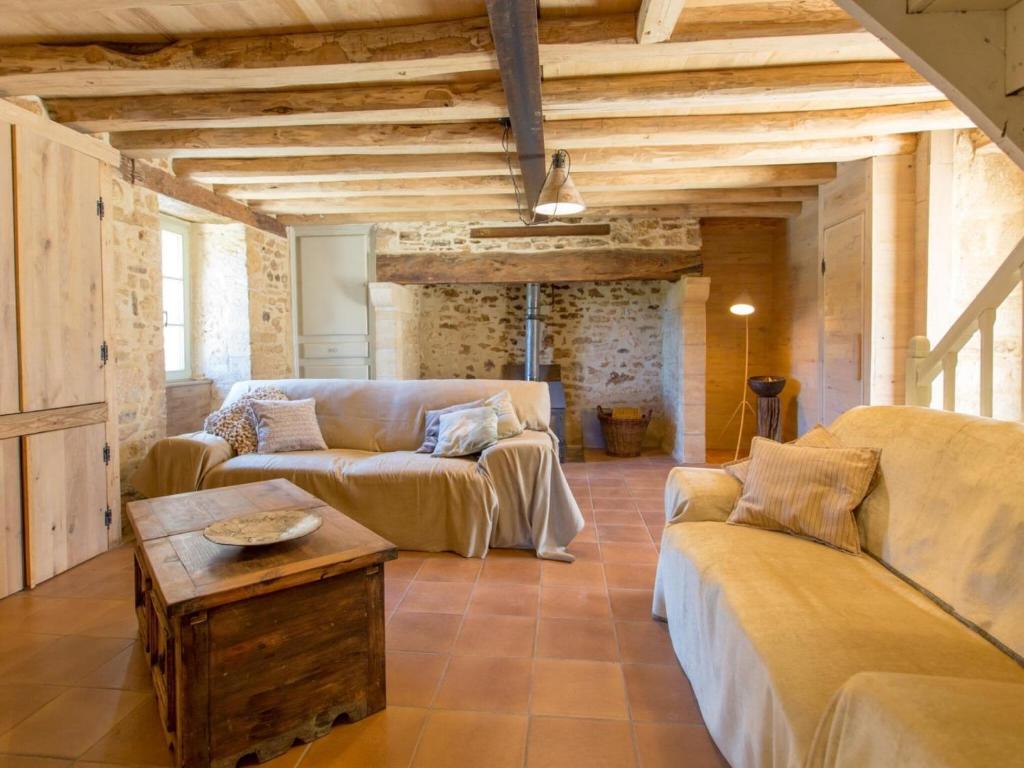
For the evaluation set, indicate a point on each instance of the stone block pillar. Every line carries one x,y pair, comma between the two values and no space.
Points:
684,373
395,331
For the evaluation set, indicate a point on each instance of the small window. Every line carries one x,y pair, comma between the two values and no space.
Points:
177,334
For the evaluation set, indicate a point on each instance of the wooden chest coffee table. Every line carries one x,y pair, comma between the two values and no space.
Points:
252,648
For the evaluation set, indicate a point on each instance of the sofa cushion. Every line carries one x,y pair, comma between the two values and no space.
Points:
289,425
818,437
948,511
769,627
466,432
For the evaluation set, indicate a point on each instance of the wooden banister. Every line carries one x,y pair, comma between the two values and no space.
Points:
924,363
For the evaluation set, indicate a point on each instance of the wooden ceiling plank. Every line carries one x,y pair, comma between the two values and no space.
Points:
572,46
563,266
514,30
656,20
186,192
461,138
713,91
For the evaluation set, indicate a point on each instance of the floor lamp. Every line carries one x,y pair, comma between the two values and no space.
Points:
743,308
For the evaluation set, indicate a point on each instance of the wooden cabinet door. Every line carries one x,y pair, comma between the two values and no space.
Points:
9,397
65,499
12,557
843,300
60,290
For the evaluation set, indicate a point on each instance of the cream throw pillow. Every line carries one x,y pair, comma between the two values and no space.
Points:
508,421
806,491
463,433
286,426
819,437
234,422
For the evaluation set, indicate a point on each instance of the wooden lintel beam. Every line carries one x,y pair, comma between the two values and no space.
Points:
169,185
541,230
656,20
514,30
563,266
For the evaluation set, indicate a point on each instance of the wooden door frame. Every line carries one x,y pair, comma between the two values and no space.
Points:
366,230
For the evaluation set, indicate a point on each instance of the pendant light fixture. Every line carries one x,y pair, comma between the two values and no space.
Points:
559,196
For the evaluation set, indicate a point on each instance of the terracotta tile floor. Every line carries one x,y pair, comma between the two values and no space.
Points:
509,661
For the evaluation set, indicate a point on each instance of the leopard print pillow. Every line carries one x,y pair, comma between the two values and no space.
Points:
234,422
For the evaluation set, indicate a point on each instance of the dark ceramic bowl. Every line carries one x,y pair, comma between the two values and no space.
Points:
766,386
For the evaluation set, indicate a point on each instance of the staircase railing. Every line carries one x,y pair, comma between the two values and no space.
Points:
925,363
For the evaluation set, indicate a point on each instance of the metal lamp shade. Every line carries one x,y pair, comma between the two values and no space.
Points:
559,196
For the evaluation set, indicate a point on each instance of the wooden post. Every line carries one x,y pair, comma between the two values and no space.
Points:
917,392
986,325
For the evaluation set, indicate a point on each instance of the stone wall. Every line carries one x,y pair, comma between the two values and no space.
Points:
137,346
268,265
606,336
221,348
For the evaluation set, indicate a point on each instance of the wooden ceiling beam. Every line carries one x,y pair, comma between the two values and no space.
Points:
267,177
635,160
375,204
656,20
711,211
460,138
757,89
396,103
568,47
193,195
697,178
514,31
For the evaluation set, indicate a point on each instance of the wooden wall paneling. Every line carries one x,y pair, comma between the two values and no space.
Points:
10,399
65,499
109,283
12,565
58,272
32,422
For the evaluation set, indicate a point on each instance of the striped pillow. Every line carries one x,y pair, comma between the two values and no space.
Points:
819,437
806,491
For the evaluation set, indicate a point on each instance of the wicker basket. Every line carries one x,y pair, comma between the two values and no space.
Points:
623,436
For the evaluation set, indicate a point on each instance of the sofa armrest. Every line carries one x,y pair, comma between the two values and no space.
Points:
694,494
887,718
179,464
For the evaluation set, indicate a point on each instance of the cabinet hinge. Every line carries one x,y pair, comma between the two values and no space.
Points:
108,517
823,266
106,453
101,208
104,353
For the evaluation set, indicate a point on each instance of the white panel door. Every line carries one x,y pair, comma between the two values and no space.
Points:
843,247
334,325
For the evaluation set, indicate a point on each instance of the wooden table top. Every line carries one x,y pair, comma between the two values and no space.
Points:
192,574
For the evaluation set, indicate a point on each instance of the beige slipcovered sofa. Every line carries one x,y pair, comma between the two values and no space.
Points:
514,496
906,655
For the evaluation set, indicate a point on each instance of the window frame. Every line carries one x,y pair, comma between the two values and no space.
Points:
184,230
